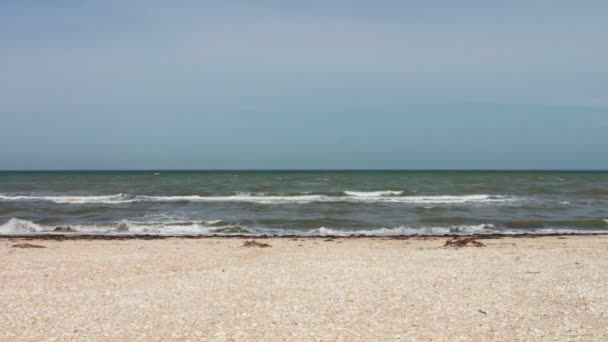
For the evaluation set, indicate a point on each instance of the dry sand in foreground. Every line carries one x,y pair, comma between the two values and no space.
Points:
307,289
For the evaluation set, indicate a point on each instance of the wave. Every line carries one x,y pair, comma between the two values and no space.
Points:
17,226
405,231
354,197
587,223
107,199
373,193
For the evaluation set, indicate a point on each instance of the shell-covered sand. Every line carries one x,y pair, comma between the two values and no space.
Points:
546,288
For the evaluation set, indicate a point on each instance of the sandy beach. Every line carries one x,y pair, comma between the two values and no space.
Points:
311,289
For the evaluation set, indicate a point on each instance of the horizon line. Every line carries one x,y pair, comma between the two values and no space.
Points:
302,170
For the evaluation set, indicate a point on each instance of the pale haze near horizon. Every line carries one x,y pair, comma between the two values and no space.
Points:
321,85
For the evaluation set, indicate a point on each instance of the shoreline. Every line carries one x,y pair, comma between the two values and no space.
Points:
63,236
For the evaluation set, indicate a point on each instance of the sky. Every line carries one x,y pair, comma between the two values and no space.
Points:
314,85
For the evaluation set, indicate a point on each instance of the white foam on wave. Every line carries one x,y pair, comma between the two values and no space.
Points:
299,199
17,226
103,199
125,227
404,230
193,228
354,197
449,230
373,193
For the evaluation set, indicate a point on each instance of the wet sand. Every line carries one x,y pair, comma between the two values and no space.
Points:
345,289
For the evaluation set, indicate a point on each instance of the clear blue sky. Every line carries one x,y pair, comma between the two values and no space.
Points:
322,84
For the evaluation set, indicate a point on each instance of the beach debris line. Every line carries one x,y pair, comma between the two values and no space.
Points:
463,241
253,243
27,245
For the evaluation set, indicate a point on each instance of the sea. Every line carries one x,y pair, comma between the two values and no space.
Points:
306,203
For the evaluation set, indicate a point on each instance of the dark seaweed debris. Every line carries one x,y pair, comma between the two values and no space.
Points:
27,245
463,241
338,238
253,243
67,229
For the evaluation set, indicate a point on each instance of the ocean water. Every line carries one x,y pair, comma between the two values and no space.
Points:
303,202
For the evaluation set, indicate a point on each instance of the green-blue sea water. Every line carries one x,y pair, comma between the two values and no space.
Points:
304,202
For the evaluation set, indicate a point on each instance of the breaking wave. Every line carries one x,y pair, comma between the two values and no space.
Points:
373,193
108,199
349,196
17,226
